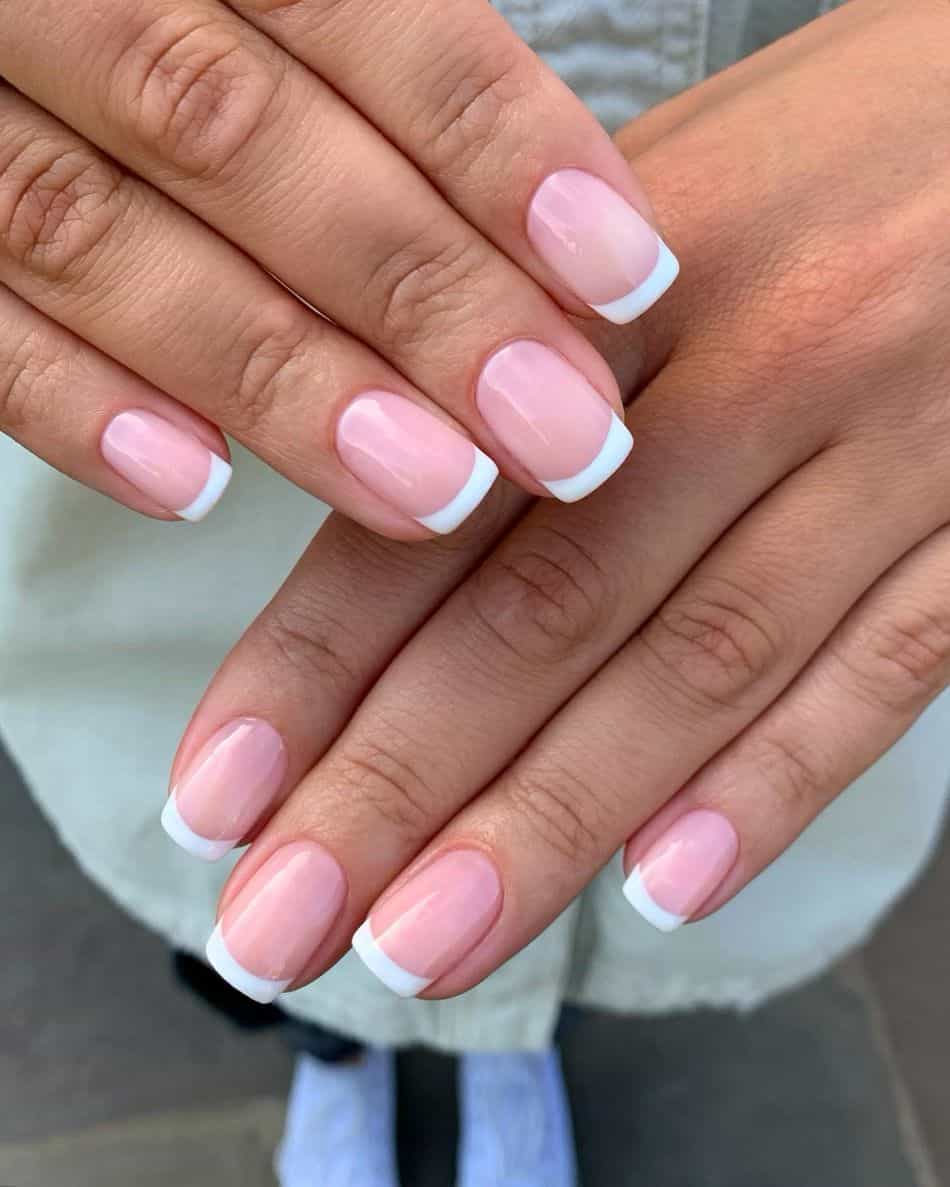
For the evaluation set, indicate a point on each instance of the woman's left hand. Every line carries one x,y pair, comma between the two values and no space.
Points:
694,661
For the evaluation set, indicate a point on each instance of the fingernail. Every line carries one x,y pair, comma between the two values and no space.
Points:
226,788
413,460
681,870
601,247
551,419
428,926
267,936
165,463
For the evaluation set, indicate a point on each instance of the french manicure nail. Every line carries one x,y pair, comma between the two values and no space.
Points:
413,460
165,463
551,419
268,934
681,870
423,930
226,788
601,247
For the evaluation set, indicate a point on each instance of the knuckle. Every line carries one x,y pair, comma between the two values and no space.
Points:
559,810
902,661
714,643
827,302
269,361
29,375
58,207
477,96
376,770
542,599
311,641
421,288
194,90
791,772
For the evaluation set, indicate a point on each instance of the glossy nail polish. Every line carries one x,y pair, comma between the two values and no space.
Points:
165,463
226,788
599,245
682,869
269,933
423,930
413,460
551,419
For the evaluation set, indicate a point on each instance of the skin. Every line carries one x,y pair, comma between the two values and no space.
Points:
153,209
747,615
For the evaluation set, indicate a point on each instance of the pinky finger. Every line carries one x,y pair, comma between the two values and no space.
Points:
875,676
97,422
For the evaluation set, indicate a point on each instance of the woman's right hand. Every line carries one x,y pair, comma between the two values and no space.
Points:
414,173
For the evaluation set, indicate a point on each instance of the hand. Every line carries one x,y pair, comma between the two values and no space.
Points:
694,661
413,172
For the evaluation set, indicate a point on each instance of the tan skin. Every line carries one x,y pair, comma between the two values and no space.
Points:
748,614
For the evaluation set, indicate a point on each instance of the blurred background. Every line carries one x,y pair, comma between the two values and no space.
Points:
113,1075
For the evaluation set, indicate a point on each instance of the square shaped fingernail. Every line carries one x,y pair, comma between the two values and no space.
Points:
603,249
558,426
430,924
226,788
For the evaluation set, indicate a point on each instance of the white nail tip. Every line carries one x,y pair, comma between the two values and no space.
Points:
613,453
637,895
484,472
628,308
258,989
188,839
393,976
218,478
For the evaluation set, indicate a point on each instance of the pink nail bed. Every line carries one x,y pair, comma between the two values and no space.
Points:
683,869
551,419
423,930
226,788
599,245
268,934
413,460
165,463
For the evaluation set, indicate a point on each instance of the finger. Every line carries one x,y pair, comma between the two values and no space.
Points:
301,652
712,658
139,278
93,420
290,684
504,139
888,660
205,106
508,648
550,605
